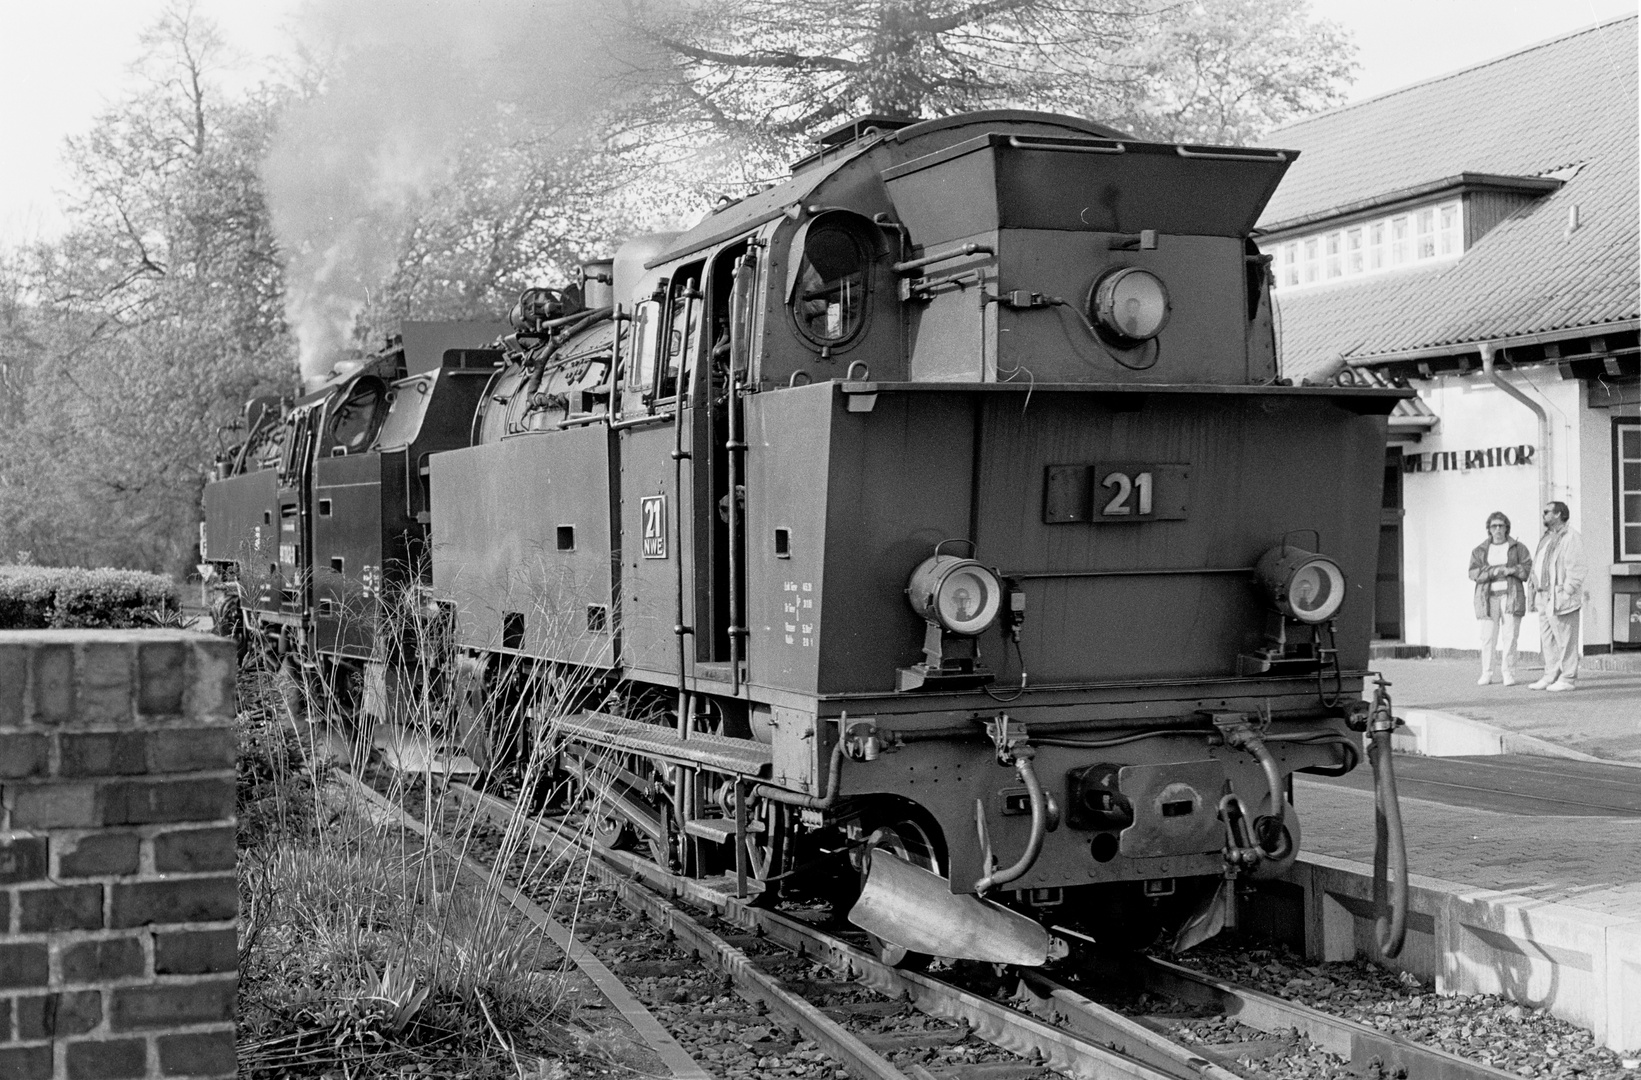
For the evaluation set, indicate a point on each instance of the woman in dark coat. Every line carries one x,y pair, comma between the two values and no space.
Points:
1500,568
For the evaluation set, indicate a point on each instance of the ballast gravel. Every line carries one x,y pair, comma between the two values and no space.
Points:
1483,1027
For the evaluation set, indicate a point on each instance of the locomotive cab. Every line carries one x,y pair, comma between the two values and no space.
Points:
321,516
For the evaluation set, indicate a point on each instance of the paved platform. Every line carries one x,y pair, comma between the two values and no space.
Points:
1513,784
1526,885
1601,718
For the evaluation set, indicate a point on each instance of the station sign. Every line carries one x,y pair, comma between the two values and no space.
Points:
1464,460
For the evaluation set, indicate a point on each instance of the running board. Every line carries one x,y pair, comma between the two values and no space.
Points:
743,757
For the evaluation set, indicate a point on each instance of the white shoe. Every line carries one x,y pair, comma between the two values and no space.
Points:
1539,684
1484,680
1509,679
1561,684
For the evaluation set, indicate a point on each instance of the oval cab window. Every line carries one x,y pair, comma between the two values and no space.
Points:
359,417
829,297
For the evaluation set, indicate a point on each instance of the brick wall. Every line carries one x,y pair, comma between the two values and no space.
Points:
118,948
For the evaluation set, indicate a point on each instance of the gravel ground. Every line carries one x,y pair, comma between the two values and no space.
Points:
1483,1027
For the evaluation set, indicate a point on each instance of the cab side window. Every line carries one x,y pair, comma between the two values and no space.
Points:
646,342
357,419
829,290
683,339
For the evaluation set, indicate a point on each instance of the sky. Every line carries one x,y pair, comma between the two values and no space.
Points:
61,62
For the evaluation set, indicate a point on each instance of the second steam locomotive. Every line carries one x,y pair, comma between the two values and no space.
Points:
931,527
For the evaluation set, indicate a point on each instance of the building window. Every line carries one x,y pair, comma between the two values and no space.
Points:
1627,488
1426,221
1421,235
1451,240
1353,251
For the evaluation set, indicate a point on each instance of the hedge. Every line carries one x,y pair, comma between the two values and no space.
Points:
40,597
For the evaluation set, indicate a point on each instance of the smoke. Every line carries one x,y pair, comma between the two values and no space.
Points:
400,90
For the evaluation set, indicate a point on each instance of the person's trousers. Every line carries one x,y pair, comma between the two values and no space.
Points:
1558,642
1501,630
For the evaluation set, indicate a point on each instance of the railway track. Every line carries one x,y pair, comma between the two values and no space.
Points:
1045,1026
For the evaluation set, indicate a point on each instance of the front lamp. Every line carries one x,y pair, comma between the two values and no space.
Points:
1130,304
956,594
1302,584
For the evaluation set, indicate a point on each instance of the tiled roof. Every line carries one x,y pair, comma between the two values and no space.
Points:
1409,413
1571,101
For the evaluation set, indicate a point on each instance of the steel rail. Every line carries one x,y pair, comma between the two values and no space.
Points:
1356,1043
677,1060
1045,998
827,1033
831,1036
1072,1019
1110,1047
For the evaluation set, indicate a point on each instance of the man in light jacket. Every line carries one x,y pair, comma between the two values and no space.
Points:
1558,594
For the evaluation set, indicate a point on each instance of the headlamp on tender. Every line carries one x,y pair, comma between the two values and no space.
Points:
959,599
1302,584
957,594
1129,304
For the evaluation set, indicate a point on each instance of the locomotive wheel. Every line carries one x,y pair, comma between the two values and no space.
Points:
911,841
766,849
610,831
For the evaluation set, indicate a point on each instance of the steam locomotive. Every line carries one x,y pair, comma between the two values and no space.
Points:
932,523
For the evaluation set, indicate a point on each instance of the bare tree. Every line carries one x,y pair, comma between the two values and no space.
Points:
1228,71
148,322
765,74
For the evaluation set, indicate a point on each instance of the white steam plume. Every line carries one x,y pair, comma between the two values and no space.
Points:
402,87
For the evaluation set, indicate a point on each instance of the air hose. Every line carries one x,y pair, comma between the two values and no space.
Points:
1239,733
1389,845
1041,815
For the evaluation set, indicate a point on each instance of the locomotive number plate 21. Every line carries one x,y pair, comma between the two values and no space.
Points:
654,511
1116,492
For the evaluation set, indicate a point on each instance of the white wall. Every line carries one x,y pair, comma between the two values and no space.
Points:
1594,517
1447,509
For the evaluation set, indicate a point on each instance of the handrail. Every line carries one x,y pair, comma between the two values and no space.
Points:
1129,572
1251,153
733,445
642,421
1018,142
959,252
680,629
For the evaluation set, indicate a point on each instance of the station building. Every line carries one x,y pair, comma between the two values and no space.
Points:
1474,237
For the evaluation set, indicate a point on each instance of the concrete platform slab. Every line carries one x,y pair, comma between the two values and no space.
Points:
1543,909
1582,966
1438,733
1624,986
